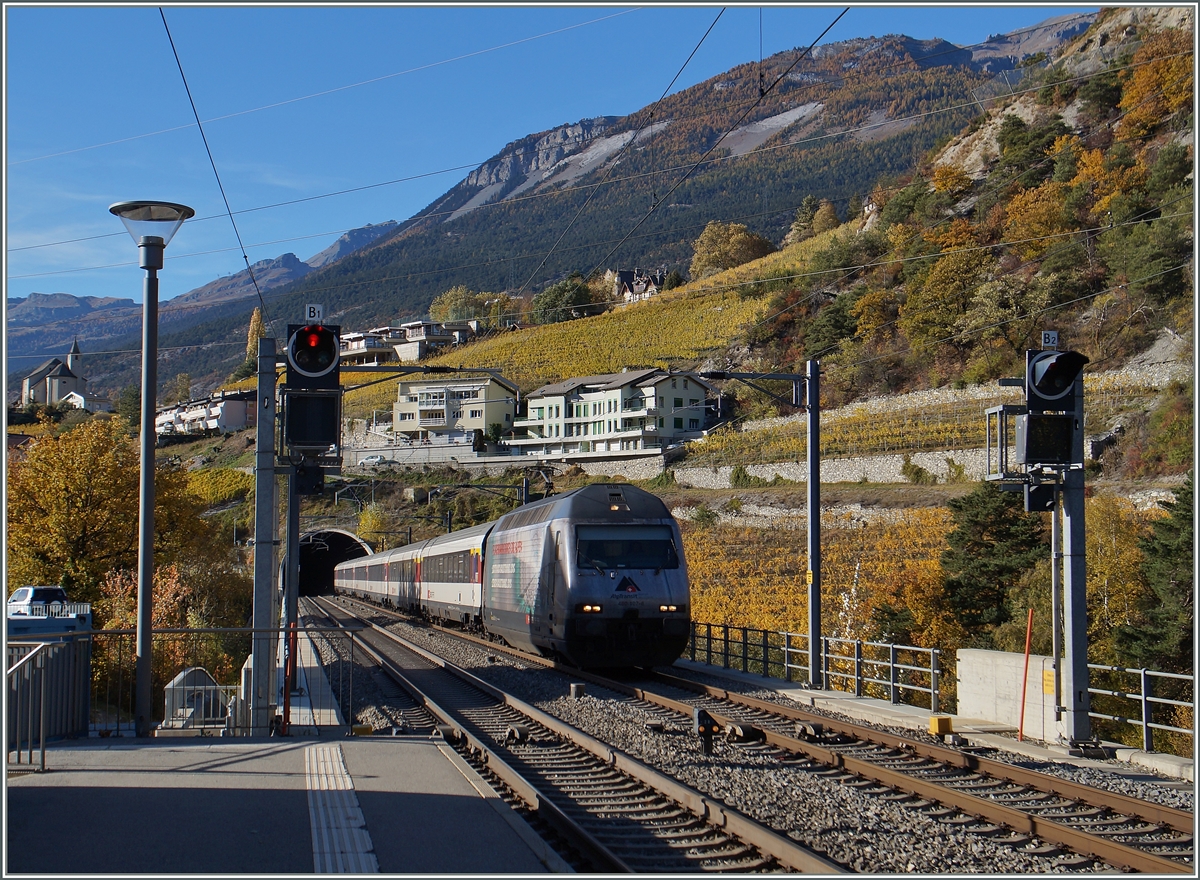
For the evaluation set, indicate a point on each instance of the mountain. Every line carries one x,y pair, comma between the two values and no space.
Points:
350,242
43,325
616,192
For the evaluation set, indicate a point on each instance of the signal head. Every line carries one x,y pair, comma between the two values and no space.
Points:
1050,379
313,350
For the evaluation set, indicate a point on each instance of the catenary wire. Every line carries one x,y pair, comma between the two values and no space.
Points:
520,151
216,174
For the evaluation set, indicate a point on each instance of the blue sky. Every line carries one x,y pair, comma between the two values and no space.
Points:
299,102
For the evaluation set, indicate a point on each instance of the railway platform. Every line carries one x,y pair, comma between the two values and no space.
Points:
396,805
976,731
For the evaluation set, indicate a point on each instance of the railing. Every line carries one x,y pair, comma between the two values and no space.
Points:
46,685
211,704
1110,682
25,685
873,669
56,609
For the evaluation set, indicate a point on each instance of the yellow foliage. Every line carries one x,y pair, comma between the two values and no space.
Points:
1106,183
73,510
1114,579
1034,216
1160,84
951,179
757,577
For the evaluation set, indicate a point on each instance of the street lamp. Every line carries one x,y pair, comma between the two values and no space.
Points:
152,225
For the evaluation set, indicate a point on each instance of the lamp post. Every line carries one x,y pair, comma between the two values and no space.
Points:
152,225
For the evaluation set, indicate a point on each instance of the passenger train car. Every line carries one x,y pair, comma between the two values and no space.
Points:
595,575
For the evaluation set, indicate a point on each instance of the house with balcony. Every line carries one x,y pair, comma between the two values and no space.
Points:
630,412
365,349
421,338
222,413
451,409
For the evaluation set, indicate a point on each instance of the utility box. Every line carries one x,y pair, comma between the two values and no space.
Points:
194,701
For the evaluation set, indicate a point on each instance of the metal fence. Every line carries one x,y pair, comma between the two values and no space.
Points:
1114,688
46,683
200,679
898,673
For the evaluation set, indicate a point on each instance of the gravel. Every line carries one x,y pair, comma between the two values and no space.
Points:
863,831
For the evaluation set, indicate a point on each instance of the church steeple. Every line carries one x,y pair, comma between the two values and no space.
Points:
73,355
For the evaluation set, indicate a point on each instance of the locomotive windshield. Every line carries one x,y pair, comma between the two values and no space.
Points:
626,547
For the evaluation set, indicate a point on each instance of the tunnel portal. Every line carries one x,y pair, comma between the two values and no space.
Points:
320,551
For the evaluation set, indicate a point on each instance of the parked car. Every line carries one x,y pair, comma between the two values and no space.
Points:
22,602
372,460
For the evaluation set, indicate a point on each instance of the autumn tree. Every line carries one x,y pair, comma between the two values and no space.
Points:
993,543
826,217
952,180
73,510
377,527
932,310
458,304
255,332
725,245
1160,82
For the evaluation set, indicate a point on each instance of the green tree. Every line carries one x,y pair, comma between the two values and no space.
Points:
129,407
1162,639
725,245
802,225
563,301
993,543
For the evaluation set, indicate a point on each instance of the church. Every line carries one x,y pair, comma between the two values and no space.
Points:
55,382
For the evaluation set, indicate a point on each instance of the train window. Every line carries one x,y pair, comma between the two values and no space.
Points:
607,547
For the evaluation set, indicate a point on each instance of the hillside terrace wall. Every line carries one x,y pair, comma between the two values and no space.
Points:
869,469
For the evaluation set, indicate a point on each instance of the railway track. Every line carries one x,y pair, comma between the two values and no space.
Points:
1037,812
623,815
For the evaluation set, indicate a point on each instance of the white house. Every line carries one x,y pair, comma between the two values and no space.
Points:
452,409
370,348
423,337
223,413
88,402
616,412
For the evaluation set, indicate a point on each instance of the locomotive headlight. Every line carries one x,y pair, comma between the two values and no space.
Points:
588,608
668,607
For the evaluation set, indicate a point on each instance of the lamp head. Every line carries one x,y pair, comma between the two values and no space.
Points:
146,219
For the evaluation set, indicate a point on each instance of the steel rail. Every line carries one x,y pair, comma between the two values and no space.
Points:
1078,840
453,729
712,812
1178,820
1111,851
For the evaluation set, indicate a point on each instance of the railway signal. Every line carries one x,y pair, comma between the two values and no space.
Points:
312,394
1048,449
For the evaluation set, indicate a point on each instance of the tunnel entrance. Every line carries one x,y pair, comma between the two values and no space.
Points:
320,551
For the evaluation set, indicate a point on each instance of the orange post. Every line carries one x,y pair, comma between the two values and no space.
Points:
1025,677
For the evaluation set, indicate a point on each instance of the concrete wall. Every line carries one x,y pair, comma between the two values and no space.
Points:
989,688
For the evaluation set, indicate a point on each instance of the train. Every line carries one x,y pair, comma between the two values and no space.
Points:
594,576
